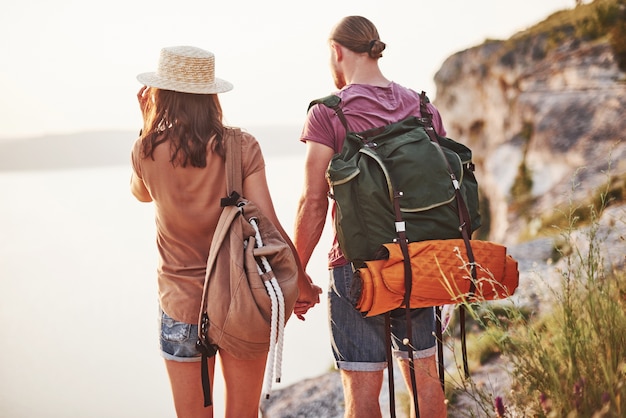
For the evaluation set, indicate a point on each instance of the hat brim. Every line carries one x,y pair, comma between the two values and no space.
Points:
152,79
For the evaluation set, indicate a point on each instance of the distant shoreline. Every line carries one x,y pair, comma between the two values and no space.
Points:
112,148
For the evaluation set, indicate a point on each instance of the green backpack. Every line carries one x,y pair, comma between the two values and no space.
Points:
398,159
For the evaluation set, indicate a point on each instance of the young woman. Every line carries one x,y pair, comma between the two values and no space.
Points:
178,163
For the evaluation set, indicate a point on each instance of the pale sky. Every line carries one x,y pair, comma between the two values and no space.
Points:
68,66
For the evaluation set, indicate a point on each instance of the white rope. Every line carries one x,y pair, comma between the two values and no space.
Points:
281,329
271,355
259,243
277,325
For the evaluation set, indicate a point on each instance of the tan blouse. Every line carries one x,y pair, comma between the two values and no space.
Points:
187,206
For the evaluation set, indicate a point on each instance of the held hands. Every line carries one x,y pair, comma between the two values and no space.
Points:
309,297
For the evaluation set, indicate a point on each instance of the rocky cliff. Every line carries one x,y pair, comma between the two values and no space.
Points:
538,117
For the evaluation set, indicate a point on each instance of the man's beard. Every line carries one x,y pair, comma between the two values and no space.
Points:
340,81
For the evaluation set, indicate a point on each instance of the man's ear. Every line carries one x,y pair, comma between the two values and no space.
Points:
338,50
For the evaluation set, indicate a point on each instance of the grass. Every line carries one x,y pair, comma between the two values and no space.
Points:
596,20
600,20
569,361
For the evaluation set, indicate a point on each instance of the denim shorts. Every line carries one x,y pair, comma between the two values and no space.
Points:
178,339
359,343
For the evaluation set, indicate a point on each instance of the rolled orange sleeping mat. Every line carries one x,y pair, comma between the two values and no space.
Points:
441,275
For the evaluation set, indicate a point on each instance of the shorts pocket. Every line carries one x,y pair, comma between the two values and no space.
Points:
174,331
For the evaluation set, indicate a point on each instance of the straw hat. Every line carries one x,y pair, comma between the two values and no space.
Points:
186,69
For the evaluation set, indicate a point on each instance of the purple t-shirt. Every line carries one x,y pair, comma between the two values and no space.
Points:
365,107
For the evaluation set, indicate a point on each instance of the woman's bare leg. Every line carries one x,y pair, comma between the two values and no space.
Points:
187,388
243,382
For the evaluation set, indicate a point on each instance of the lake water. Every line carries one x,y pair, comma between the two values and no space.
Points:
79,305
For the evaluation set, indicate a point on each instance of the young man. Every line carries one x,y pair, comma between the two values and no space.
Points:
368,100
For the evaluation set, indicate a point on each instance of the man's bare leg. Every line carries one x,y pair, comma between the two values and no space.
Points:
361,392
430,396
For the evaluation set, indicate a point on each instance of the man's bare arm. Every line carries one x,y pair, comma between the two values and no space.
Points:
313,204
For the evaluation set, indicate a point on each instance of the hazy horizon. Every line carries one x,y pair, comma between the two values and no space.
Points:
106,148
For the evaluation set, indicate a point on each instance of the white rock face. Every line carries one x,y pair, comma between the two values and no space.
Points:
559,112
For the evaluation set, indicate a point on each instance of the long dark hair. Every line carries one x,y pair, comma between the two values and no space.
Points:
189,122
358,34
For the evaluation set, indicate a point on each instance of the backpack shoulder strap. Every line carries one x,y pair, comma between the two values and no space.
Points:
234,181
426,115
332,102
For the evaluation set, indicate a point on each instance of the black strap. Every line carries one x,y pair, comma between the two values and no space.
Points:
439,336
332,102
465,226
463,340
392,398
206,382
207,350
408,288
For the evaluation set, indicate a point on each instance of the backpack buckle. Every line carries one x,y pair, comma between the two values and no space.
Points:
230,200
